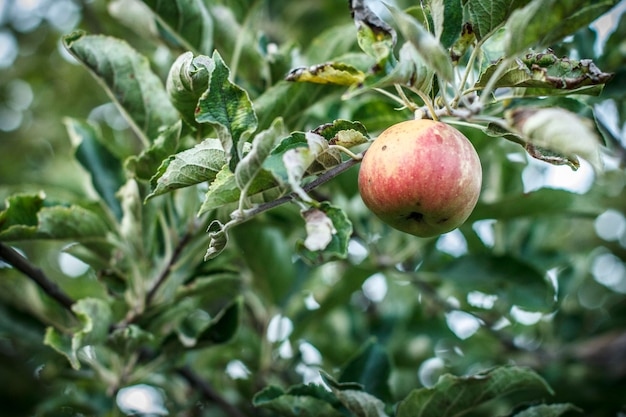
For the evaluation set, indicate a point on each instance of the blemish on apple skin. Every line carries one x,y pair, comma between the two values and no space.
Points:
384,147
415,216
445,219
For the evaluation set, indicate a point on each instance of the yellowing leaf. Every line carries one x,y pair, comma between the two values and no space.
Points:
328,73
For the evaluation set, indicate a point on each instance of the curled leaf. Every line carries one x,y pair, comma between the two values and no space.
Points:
558,130
218,235
187,80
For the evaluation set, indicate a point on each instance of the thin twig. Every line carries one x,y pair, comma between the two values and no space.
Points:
178,250
208,392
19,262
323,178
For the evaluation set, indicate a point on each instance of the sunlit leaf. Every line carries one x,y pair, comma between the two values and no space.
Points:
455,396
228,108
319,229
128,79
328,235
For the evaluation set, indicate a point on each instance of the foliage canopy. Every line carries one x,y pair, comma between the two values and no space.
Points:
207,247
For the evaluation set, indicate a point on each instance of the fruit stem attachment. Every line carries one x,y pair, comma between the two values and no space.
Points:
427,102
356,157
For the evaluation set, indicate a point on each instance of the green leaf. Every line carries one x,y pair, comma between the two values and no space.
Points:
343,133
95,318
375,37
224,190
455,396
27,217
352,396
224,326
548,410
146,164
128,339
447,19
290,101
21,211
328,73
532,26
299,401
512,280
558,130
370,367
463,43
319,229
252,163
187,80
127,78
488,15
298,156
361,404
426,45
328,234
103,167
131,226
218,239
221,328
543,202
193,166
411,70
270,262
186,21
547,71
228,108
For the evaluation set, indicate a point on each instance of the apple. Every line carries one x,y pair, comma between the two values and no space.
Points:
422,177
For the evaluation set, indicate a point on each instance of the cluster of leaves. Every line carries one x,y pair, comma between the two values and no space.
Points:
214,146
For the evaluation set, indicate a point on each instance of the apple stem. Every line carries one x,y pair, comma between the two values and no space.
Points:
356,157
427,102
